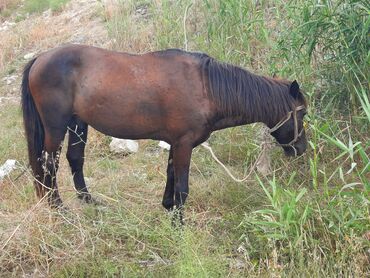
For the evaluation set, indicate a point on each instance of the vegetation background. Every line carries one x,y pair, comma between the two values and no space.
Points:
310,217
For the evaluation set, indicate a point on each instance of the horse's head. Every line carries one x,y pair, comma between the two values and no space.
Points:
289,132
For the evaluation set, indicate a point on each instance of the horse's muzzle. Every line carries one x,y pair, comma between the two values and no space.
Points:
294,150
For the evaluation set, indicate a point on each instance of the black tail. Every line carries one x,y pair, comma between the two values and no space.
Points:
33,127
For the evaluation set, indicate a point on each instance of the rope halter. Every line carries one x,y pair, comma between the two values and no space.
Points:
296,134
276,127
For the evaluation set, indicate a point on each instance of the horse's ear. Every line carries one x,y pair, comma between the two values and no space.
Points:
294,89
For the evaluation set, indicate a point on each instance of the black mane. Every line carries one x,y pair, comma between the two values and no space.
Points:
238,92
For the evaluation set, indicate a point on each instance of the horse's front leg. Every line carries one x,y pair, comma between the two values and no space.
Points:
168,196
181,163
76,156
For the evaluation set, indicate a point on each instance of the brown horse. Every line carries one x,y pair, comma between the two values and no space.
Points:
172,95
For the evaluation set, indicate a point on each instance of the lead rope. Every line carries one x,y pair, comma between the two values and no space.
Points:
264,145
208,147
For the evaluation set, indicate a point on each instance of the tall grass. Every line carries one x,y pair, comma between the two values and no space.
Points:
332,37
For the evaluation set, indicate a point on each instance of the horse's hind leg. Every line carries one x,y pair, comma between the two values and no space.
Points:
50,163
75,156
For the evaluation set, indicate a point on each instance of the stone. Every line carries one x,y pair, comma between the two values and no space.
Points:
164,145
123,146
9,79
6,25
29,56
7,168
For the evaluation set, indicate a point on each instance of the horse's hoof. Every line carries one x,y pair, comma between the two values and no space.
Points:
63,209
59,207
85,197
96,202
88,199
168,204
55,203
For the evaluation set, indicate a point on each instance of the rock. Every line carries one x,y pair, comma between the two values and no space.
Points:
9,99
164,145
48,13
29,56
6,25
7,167
123,146
9,79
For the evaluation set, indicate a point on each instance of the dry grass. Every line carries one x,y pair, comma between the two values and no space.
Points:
131,31
6,6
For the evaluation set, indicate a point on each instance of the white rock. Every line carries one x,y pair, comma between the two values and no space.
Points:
47,13
6,25
29,56
123,146
164,145
9,79
7,167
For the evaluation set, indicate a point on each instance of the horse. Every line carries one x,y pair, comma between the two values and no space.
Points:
172,95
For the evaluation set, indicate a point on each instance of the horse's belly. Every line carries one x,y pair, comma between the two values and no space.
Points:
137,117
128,122
128,129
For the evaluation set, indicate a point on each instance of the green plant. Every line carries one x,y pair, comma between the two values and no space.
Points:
285,218
332,37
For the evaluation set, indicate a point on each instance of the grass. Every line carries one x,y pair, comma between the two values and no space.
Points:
7,7
37,6
23,8
309,217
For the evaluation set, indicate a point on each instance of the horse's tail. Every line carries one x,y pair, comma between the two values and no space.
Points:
33,128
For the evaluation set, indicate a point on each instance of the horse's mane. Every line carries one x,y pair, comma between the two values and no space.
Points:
238,92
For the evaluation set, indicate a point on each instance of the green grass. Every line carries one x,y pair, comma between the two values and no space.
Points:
38,6
308,218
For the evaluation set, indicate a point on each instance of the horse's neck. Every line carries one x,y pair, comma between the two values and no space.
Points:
221,123
231,121
248,116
